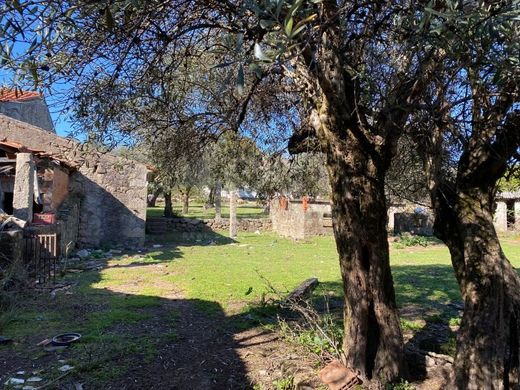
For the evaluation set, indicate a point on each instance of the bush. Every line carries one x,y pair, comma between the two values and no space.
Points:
407,240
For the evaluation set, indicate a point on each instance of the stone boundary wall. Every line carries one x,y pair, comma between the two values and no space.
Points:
112,190
206,225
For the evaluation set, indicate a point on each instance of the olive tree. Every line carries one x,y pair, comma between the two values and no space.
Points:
345,73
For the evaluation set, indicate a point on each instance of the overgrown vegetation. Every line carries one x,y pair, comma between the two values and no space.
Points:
113,308
406,240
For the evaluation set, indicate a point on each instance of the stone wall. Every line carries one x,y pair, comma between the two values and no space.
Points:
53,182
292,219
500,217
112,190
197,225
414,223
507,207
68,219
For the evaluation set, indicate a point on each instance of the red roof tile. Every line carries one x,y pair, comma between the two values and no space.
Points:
16,95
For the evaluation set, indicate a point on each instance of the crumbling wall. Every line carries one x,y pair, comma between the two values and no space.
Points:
112,190
53,182
296,220
414,223
500,217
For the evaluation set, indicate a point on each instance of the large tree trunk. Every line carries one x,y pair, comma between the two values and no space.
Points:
373,342
487,355
218,201
233,223
168,205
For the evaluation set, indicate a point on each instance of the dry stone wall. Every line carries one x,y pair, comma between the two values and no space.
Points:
112,190
198,225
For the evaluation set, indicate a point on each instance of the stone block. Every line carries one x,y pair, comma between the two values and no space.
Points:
23,196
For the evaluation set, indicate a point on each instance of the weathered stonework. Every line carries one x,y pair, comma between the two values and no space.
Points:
414,223
111,190
206,225
24,187
507,211
294,219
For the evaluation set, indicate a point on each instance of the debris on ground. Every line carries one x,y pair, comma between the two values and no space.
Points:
14,382
339,377
66,368
303,291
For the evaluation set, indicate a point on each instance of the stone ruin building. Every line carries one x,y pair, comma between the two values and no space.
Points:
507,212
301,219
57,185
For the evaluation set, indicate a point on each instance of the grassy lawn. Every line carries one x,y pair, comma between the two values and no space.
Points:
196,210
124,310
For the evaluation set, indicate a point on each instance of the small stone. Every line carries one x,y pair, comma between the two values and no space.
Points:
262,372
34,379
20,373
14,381
28,388
116,251
55,348
157,246
83,254
62,361
65,368
430,362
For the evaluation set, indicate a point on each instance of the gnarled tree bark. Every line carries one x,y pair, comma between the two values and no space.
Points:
358,152
488,343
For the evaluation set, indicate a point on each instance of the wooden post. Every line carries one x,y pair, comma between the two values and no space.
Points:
233,214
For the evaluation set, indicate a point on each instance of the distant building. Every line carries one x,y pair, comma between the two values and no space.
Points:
507,212
26,106
59,185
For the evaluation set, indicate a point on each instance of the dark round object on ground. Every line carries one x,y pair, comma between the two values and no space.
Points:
65,338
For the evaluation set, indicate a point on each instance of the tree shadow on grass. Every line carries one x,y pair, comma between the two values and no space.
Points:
131,340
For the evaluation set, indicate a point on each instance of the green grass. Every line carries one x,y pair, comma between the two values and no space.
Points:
196,210
130,295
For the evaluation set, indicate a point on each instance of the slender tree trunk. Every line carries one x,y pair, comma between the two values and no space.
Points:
168,205
218,201
211,195
233,223
152,198
186,201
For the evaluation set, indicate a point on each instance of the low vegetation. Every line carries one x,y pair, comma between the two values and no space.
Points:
124,312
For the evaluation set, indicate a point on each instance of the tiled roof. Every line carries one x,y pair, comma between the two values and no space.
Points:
16,95
15,147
